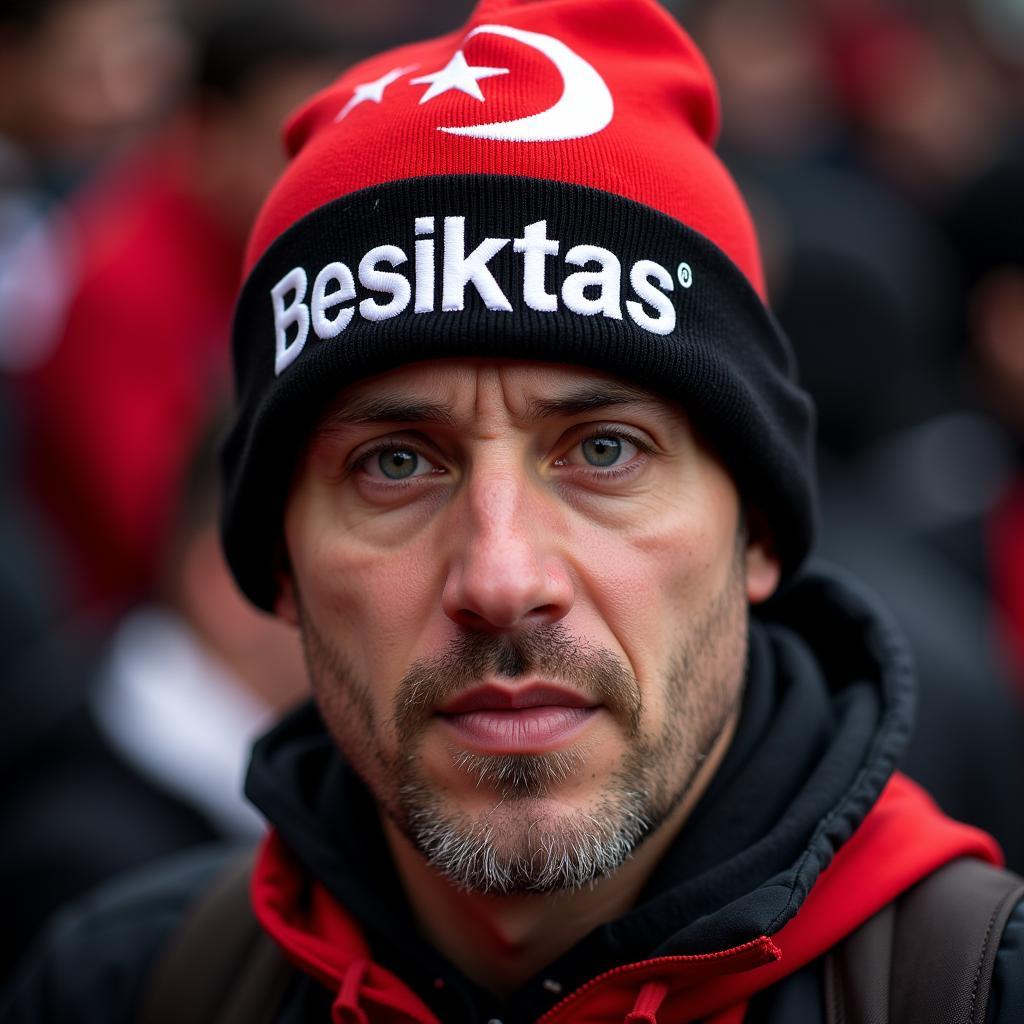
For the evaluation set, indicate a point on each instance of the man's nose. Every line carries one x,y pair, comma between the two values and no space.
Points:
506,571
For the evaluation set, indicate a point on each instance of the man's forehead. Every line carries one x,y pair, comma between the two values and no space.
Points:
448,391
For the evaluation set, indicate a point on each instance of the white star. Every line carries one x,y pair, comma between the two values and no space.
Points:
373,91
456,74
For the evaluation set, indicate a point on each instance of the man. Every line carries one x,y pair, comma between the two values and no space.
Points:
518,449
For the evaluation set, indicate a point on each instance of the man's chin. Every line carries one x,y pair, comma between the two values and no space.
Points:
534,843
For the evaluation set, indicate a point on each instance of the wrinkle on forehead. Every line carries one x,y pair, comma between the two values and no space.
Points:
449,392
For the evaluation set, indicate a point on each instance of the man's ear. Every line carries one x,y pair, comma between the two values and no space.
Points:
286,605
763,567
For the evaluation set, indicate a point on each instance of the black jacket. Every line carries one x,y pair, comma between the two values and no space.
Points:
826,715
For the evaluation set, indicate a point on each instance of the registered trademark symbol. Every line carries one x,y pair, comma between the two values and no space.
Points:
685,275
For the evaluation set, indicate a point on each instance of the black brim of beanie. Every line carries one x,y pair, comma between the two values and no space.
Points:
725,360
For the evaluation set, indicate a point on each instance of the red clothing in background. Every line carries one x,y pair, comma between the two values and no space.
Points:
113,416
1006,545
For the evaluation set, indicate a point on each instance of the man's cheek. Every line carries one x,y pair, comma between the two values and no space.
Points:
353,583
628,596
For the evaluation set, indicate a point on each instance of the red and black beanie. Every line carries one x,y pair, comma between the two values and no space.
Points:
538,185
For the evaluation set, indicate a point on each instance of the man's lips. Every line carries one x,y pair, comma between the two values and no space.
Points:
502,698
530,719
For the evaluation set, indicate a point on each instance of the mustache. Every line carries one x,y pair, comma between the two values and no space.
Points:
548,650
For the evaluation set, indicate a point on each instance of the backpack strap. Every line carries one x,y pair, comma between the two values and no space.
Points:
218,966
928,957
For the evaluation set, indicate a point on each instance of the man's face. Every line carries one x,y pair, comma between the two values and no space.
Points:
522,590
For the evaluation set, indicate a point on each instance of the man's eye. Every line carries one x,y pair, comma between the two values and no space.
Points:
602,451
397,464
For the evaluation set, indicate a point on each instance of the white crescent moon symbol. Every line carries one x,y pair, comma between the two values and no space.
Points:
584,108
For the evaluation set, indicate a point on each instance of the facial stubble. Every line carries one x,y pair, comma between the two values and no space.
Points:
526,841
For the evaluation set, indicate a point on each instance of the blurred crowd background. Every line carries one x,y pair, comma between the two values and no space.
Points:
881,146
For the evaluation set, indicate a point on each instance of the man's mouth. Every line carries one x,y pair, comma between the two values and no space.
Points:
530,719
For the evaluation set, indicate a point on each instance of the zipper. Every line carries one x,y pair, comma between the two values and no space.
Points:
758,952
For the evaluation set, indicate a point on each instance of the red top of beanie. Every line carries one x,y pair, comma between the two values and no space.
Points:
610,94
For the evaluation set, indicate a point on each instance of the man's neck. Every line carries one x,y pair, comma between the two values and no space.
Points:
500,942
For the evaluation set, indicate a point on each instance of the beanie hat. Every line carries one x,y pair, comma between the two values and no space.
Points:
539,185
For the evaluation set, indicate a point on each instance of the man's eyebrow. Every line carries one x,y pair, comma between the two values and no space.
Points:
388,410
584,399
587,398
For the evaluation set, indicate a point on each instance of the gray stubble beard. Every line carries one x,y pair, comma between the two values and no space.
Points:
553,852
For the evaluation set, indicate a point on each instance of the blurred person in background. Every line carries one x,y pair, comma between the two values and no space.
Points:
110,414
772,77
987,220
150,255
81,79
923,97
869,301
135,749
